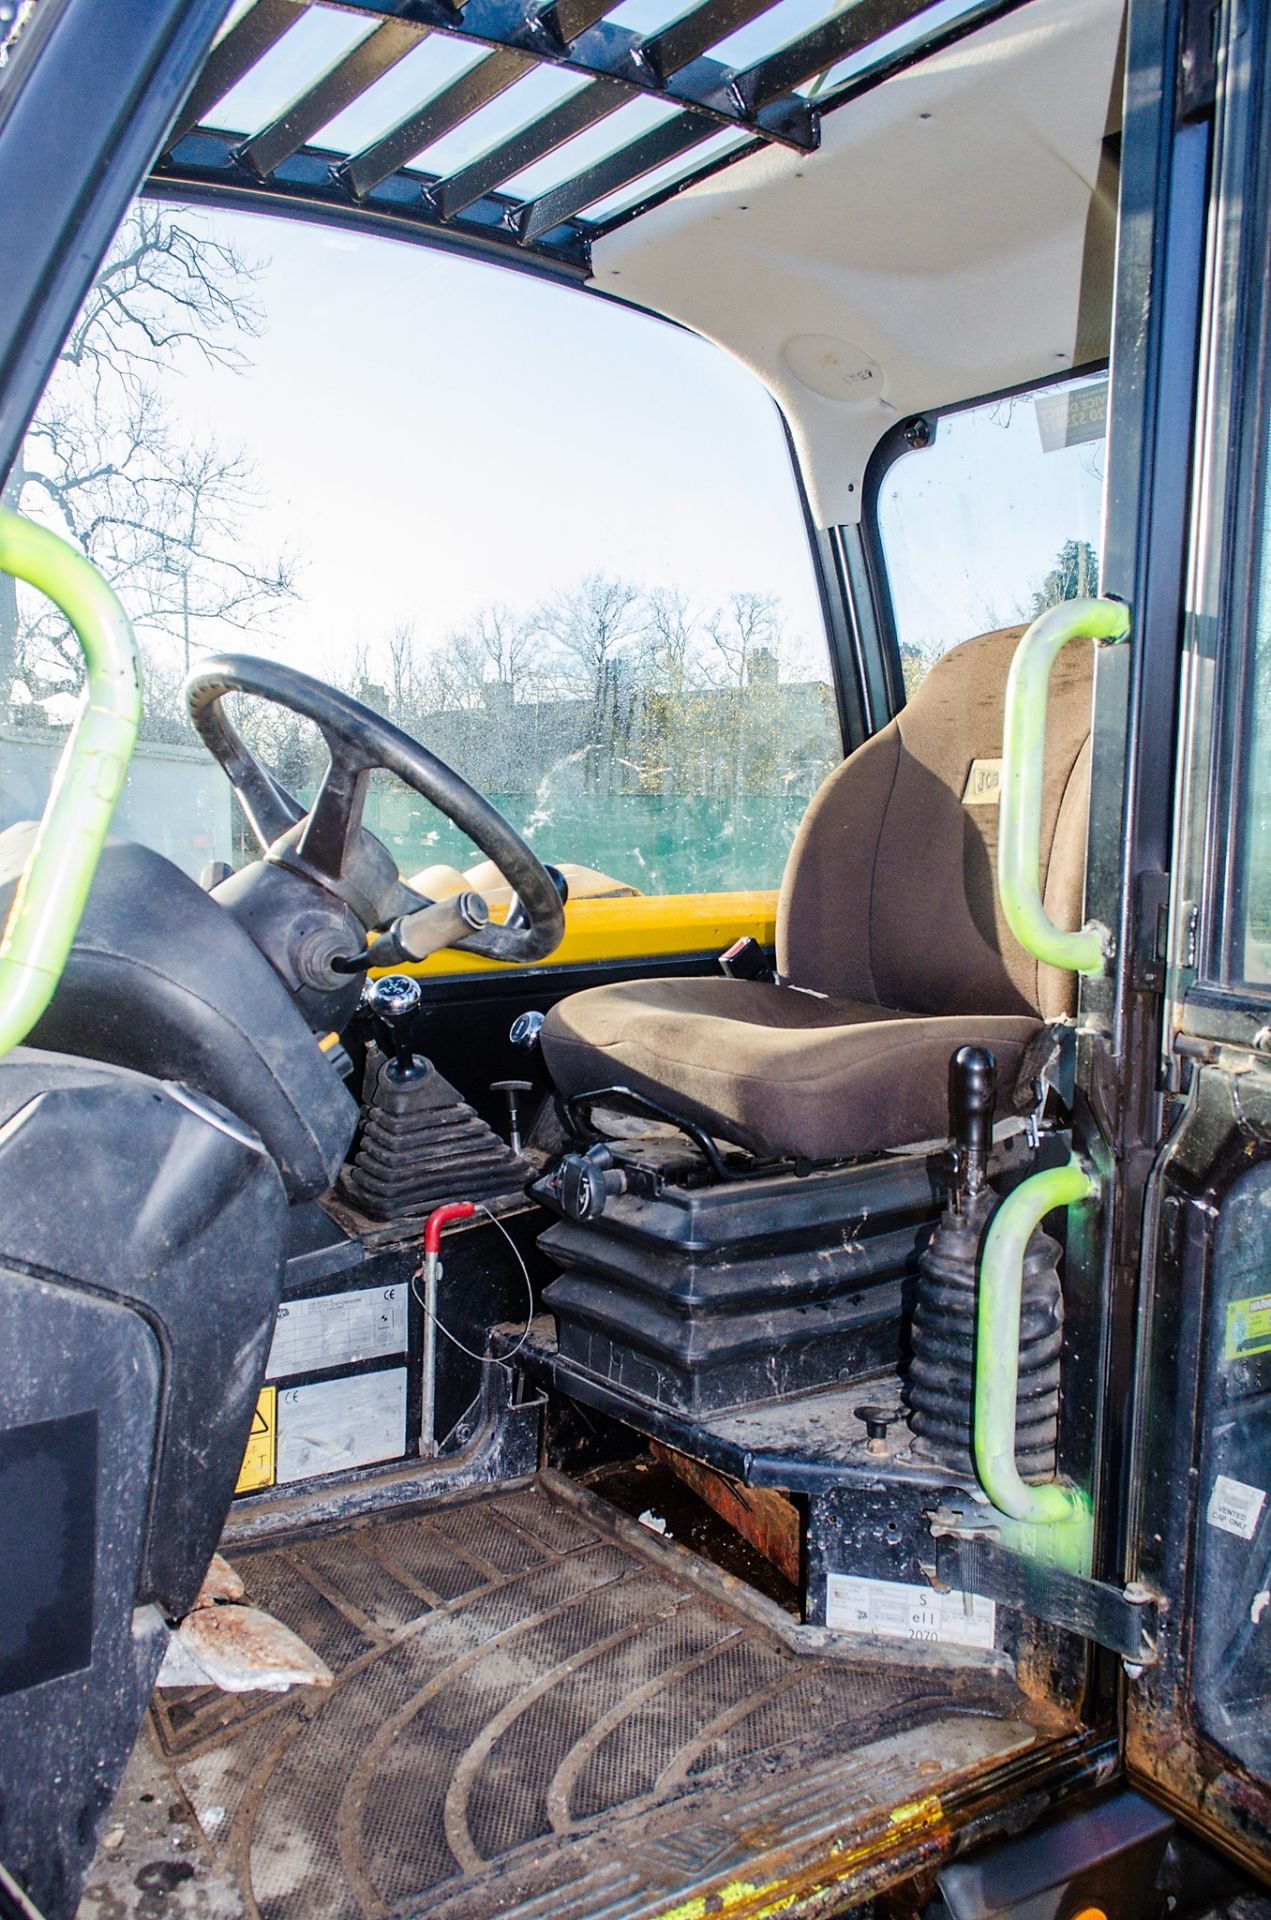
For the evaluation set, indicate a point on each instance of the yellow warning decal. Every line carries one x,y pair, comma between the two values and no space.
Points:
260,1460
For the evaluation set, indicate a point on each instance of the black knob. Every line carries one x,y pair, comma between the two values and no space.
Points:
582,1182
972,1098
877,1420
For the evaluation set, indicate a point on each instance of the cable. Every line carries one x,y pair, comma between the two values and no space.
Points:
486,1359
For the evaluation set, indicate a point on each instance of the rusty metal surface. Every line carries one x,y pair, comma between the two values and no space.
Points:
768,1519
532,1716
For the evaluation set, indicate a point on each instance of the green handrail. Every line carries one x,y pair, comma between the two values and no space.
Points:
89,779
1023,764
997,1345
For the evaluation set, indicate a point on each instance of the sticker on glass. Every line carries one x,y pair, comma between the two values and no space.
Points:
1248,1326
899,1611
1235,1507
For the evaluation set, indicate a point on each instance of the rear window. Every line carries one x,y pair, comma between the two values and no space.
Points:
993,516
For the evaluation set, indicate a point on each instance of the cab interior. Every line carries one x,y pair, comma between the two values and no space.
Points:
629,1526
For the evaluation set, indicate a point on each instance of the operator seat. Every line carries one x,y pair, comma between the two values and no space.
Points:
892,951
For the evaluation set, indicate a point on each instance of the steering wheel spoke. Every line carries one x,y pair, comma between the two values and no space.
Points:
329,845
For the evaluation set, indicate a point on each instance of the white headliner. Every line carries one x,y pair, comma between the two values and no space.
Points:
930,252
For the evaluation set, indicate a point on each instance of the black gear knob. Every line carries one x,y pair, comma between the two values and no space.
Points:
972,1098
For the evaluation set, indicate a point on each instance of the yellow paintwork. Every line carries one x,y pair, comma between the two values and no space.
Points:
639,927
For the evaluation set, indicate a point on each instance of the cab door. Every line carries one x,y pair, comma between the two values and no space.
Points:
1198,1719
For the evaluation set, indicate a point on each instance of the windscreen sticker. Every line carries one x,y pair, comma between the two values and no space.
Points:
1248,1326
1235,1508
899,1611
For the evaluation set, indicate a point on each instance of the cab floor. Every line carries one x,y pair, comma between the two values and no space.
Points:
535,1713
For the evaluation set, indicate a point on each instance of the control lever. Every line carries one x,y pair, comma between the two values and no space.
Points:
972,1097
442,923
390,1002
516,915
512,1091
580,1184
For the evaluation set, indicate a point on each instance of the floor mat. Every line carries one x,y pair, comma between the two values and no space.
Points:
533,1716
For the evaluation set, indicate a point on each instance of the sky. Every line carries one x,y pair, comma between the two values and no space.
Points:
431,434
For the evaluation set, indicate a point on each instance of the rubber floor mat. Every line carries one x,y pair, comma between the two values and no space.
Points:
534,1717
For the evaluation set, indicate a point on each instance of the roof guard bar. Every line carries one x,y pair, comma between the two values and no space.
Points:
90,775
1023,762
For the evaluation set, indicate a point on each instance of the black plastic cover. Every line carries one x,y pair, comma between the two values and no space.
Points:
152,1196
163,980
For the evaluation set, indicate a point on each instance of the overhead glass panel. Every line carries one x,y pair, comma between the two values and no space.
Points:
880,50
682,168
641,116
429,67
788,20
519,107
319,37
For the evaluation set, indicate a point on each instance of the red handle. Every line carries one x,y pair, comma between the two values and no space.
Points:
440,1217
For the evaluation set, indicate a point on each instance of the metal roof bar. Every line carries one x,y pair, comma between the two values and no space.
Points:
816,52
616,170
233,56
307,180
532,143
455,103
340,85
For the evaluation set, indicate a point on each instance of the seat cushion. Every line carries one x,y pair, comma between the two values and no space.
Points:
785,1073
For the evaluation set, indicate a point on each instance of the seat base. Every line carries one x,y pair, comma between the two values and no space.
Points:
701,1297
790,1075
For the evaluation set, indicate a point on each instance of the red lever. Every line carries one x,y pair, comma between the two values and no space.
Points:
440,1217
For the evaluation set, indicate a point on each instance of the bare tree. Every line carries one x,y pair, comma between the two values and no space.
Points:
104,464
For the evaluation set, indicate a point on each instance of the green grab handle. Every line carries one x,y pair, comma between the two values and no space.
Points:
89,778
997,1345
1023,762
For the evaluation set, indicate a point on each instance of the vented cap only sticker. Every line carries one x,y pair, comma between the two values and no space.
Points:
1235,1507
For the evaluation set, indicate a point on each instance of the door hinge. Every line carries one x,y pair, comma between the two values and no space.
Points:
1123,1619
1197,60
1151,927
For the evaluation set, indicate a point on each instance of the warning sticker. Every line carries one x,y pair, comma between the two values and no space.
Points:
331,1425
902,1612
1248,1326
257,1469
312,1336
1235,1507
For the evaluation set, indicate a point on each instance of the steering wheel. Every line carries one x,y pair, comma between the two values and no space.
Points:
328,845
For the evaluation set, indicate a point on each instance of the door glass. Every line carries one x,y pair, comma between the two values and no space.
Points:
558,541
1251,954
995,519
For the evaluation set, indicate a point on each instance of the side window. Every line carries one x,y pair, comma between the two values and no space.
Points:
995,518
558,541
1251,955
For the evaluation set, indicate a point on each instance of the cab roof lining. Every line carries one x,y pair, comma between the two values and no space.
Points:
954,237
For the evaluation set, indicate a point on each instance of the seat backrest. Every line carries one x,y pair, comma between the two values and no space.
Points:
890,891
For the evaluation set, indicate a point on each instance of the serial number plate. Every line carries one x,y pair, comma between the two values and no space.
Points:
898,1611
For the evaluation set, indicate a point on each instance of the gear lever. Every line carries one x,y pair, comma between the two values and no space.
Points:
972,1096
390,1002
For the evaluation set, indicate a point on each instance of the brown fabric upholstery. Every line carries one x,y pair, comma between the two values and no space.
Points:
890,891
778,1071
888,920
